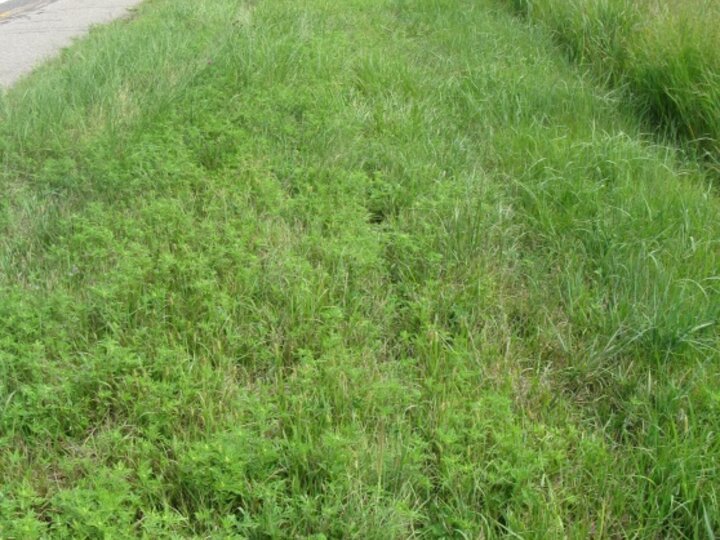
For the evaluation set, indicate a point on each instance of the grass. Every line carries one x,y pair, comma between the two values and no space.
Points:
370,269
664,54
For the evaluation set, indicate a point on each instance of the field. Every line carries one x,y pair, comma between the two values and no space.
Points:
363,269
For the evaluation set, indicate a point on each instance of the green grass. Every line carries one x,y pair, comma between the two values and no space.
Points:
664,55
362,269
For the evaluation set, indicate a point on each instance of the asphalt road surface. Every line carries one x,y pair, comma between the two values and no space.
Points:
33,30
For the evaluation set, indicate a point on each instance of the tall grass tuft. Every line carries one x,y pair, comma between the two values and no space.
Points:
666,55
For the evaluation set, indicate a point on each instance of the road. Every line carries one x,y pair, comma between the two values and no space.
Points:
33,30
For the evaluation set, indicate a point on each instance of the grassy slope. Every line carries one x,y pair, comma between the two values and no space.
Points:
383,268
665,55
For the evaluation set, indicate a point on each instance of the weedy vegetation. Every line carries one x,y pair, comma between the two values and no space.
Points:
665,55
361,269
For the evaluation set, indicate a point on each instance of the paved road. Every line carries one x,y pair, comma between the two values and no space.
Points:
33,30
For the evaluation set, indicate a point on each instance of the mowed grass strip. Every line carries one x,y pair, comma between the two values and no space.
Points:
367,269
663,55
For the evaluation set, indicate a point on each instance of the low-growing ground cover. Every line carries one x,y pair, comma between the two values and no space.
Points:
371,269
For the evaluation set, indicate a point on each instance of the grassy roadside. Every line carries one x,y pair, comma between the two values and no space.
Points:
665,54
372,269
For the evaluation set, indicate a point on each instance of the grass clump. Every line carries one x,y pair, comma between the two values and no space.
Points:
373,269
665,54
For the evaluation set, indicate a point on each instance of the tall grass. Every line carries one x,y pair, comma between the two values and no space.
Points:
367,269
666,54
